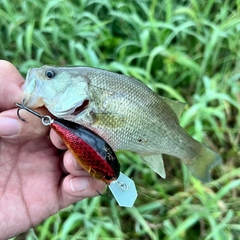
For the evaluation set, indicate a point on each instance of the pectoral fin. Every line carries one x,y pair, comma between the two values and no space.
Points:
155,162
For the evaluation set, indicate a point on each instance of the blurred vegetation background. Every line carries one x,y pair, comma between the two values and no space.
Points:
183,49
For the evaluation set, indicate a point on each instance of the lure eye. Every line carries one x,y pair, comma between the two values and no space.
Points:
50,74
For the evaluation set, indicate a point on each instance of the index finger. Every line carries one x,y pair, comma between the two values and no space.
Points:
10,82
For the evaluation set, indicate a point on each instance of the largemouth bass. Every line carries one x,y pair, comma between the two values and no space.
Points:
123,111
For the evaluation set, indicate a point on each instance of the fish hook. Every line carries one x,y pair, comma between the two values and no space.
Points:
46,120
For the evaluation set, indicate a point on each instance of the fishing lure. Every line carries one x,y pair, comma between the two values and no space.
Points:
93,153
90,150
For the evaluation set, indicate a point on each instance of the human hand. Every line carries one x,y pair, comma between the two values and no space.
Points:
36,178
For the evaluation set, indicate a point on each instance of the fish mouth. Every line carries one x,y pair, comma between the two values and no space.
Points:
33,101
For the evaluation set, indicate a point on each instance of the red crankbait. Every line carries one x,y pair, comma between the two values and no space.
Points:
90,150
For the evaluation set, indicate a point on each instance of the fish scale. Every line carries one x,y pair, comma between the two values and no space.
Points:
123,111
131,141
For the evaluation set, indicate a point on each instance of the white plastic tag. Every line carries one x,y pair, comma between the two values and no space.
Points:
124,190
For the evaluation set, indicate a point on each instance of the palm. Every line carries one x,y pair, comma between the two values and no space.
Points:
30,179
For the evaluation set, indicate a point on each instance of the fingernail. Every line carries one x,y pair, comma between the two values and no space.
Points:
9,127
78,184
76,165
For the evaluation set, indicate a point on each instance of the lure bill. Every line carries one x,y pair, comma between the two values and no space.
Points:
124,190
93,153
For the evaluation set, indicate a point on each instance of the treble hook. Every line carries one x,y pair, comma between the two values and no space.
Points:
46,120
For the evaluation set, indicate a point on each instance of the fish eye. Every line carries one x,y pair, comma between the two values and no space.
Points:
50,74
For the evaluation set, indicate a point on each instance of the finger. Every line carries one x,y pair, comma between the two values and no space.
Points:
74,189
56,140
82,186
12,127
62,167
10,82
72,166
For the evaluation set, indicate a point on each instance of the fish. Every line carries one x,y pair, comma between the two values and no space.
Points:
126,113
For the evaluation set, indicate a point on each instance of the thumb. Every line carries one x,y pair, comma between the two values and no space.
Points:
14,128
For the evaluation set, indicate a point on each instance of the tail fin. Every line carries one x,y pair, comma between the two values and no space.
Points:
203,163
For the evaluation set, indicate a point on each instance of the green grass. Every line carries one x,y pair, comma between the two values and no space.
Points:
184,50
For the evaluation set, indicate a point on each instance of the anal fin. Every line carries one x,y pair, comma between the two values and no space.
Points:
155,162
